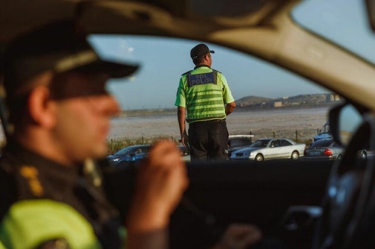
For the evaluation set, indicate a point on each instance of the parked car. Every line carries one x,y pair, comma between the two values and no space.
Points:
236,142
135,153
324,149
128,154
270,148
324,132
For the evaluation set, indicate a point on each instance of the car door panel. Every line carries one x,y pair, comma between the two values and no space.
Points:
276,150
220,193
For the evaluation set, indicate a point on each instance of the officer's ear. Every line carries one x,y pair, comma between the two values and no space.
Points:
42,109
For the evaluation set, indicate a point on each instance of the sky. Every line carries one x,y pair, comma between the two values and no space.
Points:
163,60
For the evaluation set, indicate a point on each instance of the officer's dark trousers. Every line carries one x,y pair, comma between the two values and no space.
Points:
208,140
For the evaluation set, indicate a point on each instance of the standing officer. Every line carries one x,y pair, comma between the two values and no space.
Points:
205,94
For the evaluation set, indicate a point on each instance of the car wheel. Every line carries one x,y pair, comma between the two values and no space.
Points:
363,155
295,155
259,158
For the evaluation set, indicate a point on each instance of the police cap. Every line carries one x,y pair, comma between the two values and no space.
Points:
200,50
59,47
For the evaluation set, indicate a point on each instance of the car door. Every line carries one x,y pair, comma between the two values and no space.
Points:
274,150
286,148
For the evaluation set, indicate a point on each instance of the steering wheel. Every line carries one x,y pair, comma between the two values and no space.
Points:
348,219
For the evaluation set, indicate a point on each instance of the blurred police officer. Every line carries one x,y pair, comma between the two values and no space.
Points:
206,97
60,113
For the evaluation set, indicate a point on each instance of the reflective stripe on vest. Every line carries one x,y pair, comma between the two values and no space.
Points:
29,223
204,97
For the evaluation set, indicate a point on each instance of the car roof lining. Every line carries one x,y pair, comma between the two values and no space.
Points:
268,38
267,32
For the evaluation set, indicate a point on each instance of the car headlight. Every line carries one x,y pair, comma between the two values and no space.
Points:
116,159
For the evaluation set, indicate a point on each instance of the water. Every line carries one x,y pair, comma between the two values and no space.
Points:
262,123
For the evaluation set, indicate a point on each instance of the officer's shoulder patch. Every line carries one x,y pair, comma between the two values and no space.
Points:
31,175
186,72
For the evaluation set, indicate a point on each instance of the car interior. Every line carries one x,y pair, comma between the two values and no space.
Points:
297,203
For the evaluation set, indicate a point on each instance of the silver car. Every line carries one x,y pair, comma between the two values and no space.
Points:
270,148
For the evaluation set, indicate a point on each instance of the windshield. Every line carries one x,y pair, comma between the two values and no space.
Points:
239,141
343,22
325,129
322,143
125,151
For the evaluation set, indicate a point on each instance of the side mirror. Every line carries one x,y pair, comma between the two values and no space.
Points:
344,120
370,5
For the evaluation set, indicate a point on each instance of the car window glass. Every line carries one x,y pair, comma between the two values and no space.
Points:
123,151
239,141
322,143
285,143
277,143
325,129
271,101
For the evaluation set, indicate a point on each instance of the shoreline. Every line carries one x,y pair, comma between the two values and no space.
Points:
280,122
172,111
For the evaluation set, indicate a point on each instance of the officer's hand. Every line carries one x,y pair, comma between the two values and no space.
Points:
161,182
185,140
239,236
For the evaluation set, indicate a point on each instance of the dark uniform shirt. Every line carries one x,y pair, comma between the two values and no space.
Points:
25,175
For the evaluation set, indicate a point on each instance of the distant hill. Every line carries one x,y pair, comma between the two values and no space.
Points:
303,100
254,102
251,100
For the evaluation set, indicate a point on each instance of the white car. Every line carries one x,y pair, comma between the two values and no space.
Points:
270,148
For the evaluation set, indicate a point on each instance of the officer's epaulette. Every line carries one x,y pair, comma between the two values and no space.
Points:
186,72
217,71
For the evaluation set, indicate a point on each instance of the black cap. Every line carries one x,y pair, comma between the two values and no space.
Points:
57,47
200,50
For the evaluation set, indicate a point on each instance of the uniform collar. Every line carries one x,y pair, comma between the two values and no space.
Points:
198,66
49,168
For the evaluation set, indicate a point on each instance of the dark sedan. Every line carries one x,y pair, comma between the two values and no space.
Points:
133,153
324,149
236,142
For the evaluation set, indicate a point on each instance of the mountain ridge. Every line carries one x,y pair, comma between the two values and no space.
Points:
301,100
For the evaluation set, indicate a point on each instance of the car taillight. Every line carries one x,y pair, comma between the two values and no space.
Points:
327,152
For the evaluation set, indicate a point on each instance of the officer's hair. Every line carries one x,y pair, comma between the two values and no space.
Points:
199,60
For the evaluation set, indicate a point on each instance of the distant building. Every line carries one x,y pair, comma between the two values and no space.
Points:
277,104
332,97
